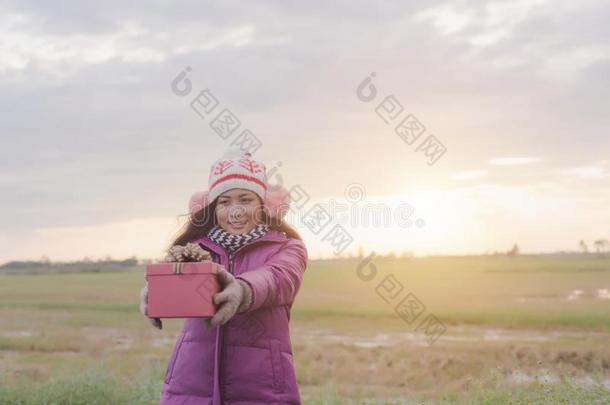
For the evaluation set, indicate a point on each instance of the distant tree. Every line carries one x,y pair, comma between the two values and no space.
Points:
583,246
600,245
360,252
406,254
514,251
131,261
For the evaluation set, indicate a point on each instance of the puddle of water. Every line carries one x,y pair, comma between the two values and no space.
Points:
455,334
163,341
499,335
544,376
600,293
17,333
379,340
588,381
122,342
575,294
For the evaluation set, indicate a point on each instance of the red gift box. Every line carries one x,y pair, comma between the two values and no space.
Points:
182,289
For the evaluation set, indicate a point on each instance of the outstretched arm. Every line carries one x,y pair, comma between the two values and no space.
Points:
279,279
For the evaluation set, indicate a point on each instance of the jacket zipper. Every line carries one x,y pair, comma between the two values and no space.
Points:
221,327
231,263
222,330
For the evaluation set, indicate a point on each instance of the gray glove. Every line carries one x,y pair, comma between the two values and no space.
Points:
235,297
156,322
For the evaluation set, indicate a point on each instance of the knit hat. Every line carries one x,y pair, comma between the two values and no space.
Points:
237,169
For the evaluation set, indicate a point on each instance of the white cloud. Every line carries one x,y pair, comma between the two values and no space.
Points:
500,20
236,37
21,45
565,64
469,175
513,161
445,18
489,28
584,172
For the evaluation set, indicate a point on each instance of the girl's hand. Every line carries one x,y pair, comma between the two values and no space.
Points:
156,322
234,295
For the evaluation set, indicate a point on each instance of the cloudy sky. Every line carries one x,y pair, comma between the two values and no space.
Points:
99,156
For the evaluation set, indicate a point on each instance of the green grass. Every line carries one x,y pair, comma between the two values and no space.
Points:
87,387
75,323
72,306
565,392
95,386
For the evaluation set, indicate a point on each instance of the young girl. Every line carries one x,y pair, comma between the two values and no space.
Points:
242,355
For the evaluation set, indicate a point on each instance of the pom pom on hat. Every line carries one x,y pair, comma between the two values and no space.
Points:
198,201
276,204
277,201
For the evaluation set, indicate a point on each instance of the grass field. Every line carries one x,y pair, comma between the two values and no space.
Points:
530,329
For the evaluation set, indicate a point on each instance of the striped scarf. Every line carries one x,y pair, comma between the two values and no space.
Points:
231,242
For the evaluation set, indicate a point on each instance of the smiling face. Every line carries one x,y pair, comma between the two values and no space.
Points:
238,210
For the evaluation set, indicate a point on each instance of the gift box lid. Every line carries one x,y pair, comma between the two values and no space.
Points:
163,269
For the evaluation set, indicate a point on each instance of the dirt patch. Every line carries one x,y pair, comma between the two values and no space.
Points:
400,363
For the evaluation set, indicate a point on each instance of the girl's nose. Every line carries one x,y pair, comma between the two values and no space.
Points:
236,212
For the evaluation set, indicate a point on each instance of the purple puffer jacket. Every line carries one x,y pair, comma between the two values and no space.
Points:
248,360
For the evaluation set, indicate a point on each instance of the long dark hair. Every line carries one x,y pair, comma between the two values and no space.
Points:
201,221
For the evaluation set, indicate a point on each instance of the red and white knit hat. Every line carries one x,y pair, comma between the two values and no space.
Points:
237,169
